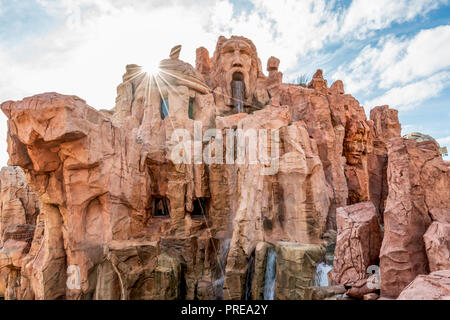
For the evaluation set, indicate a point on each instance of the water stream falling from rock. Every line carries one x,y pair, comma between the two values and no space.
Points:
223,254
321,278
238,88
249,278
270,275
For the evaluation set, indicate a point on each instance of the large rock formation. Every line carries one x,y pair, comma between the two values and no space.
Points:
357,247
18,203
196,179
18,210
437,245
296,267
419,192
435,286
385,127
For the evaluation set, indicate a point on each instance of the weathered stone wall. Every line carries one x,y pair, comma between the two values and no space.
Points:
106,193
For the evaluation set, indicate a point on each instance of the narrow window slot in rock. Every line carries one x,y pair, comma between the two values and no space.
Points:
200,207
191,109
164,108
161,208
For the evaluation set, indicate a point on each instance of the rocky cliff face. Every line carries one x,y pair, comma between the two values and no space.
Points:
213,182
419,186
19,208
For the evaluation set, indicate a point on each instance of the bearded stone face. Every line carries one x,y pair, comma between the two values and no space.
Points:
236,62
235,59
356,141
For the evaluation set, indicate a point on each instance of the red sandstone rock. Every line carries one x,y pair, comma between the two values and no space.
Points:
385,126
18,204
378,187
313,108
419,189
138,225
356,147
18,210
357,246
435,286
296,267
294,217
437,245
371,296
318,83
337,88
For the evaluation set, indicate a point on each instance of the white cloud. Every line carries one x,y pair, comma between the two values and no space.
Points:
364,16
444,141
373,62
86,56
88,59
426,53
412,95
403,72
395,61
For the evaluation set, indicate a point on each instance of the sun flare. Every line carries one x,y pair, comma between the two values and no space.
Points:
152,69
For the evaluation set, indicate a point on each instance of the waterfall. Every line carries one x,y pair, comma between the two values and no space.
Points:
270,275
249,279
321,277
238,88
223,254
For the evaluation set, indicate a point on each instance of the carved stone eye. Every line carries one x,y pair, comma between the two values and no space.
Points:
244,52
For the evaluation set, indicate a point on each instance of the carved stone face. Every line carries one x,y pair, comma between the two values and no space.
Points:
236,62
235,59
356,140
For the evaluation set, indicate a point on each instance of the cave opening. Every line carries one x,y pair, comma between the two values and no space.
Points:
161,208
200,207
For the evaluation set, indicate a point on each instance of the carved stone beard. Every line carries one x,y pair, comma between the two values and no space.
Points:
223,79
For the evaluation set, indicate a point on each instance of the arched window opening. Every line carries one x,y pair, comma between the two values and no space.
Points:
200,207
161,207
164,108
191,109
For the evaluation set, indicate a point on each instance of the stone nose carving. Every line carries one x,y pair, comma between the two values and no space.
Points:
237,62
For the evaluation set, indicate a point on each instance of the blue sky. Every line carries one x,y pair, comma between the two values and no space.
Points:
386,52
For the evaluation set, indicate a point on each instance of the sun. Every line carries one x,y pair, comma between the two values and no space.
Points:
151,69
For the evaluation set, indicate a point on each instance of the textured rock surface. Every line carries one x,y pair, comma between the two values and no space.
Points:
139,273
126,201
19,208
357,246
18,203
296,268
357,144
435,286
419,187
385,127
437,245
258,281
